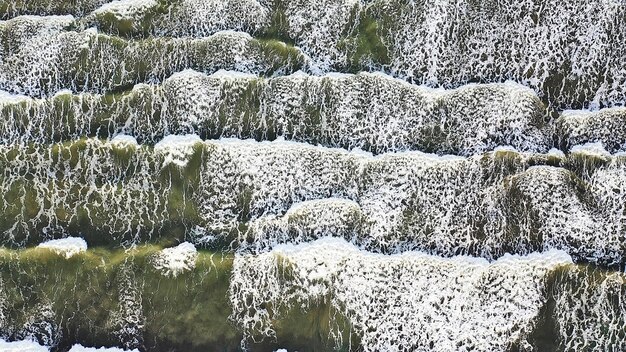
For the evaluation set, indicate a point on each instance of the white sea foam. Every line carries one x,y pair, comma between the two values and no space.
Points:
176,260
605,126
6,97
124,140
205,17
305,222
291,191
225,74
62,92
455,303
177,149
55,54
67,247
396,202
556,152
126,9
48,22
505,148
21,346
80,348
591,149
415,40
366,111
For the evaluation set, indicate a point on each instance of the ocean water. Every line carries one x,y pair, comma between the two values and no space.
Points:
270,175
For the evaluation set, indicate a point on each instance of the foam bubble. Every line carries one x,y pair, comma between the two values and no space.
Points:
176,260
80,348
67,247
124,140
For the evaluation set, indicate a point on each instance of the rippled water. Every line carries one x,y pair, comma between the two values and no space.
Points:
362,175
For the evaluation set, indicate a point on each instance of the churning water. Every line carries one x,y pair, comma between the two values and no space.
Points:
352,175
